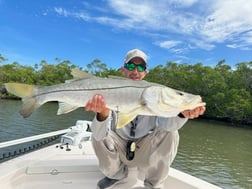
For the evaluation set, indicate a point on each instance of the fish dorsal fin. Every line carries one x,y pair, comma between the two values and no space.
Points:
79,74
66,108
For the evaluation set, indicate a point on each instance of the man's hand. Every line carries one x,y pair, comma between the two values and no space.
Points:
191,114
97,104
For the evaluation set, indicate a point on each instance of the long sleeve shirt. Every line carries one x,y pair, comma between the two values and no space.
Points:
144,126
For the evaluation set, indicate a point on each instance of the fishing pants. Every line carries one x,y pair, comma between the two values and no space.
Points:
153,156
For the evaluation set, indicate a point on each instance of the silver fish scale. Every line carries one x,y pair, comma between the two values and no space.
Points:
95,84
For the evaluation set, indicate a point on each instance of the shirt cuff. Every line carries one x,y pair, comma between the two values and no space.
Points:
100,128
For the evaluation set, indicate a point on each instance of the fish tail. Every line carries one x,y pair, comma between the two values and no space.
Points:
26,92
20,90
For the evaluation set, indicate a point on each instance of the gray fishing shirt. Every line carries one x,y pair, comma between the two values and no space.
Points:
144,126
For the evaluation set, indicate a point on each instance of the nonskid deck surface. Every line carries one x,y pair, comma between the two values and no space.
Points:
58,169
54,168
78,180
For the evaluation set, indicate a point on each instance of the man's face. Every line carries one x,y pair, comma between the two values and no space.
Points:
134,74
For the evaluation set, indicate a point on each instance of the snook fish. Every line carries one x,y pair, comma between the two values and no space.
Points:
130,98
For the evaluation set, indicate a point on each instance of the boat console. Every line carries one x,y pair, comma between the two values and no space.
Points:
79,133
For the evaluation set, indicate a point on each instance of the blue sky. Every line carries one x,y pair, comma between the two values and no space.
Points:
182,31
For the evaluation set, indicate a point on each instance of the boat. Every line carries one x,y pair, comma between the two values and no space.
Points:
71,163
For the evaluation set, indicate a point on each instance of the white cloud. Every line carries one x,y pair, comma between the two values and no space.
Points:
176,47
183,3
201,24
201,44
246,39
168,44
229,20
61,11
244,42
233,46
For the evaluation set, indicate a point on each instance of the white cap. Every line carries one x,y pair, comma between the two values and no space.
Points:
135,53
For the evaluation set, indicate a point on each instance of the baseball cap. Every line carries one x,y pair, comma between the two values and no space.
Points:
135,53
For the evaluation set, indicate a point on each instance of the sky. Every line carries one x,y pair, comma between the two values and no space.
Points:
181,31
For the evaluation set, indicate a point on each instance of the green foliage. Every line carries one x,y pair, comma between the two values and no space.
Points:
16,73
96,67
50,74
238,104
227,91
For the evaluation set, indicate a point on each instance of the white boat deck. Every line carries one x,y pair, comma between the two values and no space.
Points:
55,168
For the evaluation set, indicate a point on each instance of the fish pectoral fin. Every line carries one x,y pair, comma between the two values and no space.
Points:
66,108
125,118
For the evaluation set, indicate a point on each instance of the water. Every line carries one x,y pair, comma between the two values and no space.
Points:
216,152
13,126
213,151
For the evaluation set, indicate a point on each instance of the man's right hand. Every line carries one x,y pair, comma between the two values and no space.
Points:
97,104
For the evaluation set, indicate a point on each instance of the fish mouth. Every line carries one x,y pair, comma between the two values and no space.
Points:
197,102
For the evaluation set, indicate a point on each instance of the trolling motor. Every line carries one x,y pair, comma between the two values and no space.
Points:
79,133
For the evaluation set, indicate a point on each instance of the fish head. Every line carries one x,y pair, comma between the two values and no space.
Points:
168,102
180,100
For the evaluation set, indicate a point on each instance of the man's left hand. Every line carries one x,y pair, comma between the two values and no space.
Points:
191,114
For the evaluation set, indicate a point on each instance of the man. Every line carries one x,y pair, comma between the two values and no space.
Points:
149,142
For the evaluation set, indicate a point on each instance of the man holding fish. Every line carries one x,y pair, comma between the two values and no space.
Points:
148,142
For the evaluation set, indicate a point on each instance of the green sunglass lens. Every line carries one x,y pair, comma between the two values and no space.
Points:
140,68
131,66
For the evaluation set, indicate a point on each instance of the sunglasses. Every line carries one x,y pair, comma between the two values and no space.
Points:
131,66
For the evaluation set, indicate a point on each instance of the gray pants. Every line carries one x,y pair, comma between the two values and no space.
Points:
153,156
